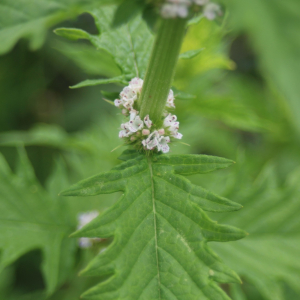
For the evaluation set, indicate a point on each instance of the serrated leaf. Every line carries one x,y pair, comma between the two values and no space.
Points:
129,45
160,230
31,19
190,54
269,254
93,82
31,219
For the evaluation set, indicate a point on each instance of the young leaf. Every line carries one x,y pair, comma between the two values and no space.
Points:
129,44
160,230
190,54
93,82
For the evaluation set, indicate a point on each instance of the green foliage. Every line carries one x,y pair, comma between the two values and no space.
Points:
159,209
31,19
274,35
269,254
31,218
129,45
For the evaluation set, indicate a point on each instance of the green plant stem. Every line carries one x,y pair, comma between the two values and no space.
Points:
161,68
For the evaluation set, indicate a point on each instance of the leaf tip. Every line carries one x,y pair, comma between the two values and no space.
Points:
75,234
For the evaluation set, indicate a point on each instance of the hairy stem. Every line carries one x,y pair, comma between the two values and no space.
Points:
161,68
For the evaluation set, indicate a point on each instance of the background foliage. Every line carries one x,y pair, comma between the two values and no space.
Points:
242,103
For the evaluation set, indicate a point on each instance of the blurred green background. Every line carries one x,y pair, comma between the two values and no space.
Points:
240,101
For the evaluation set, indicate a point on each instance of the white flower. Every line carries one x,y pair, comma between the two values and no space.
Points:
136,84
169,120
118,102
212,10
147,121
169,10
170,100
177,135
128,103
133,114
201,2
128,93
128,96
125,132
84,219
186,2
163,144
135,124
172,125
152,141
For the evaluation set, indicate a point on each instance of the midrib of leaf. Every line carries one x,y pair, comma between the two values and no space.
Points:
155,228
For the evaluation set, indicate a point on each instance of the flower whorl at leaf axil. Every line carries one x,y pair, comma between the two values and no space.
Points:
181,8
143,134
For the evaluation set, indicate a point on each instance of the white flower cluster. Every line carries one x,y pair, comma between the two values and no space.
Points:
83,219
142,132
180,8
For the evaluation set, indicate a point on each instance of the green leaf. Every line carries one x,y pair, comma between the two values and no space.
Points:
90,60
72,34
160,230
126,11
275,36
190,54
93,82
129,44
32,219
31,19
270,254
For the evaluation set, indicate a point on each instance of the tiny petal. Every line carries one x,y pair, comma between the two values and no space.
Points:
177,135
136,124
201,2
170,100
124,112
212,10
133,114
118,102
147,121
136,84
152,141
163,144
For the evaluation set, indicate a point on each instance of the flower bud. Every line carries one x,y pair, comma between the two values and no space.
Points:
161,131
145,132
